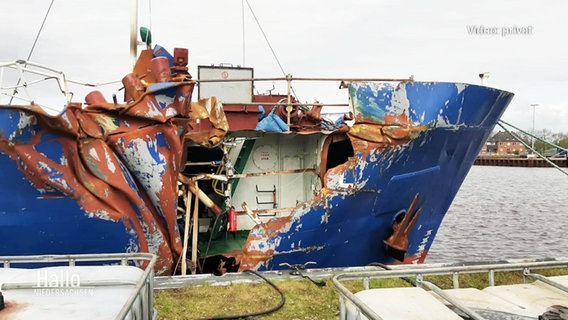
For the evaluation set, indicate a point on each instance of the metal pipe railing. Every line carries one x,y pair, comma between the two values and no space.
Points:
144,282
419,272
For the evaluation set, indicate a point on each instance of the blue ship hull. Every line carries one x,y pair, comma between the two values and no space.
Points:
413,144
383,182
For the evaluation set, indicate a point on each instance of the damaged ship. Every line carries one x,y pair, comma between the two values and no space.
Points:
234,180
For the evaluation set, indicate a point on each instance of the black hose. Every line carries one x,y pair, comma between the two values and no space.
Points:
260,313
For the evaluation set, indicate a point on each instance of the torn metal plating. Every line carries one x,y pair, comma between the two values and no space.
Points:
120,162
337,193
389,137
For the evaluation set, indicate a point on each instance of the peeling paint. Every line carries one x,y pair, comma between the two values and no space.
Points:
120,164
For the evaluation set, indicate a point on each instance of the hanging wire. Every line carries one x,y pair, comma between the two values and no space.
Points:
269,45
32,49
265,38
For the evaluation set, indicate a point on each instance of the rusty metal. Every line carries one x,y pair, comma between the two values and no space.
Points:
208,176
267,211
133,87
147,140
180,60
104,137
345,80
208,163
200,194
210,110
272,173
195,232
401,230
160,68
253,215
94,97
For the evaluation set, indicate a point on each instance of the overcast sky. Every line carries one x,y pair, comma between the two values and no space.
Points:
432,40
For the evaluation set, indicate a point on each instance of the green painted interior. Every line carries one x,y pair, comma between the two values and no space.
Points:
241,161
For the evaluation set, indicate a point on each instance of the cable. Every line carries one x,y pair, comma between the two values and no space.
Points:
32,49
296,270
269,45
266,38
260,313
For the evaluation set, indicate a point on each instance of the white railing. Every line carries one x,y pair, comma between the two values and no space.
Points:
416,274
139,303
17,78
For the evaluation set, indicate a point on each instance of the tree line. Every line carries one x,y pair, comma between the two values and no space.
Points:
545,137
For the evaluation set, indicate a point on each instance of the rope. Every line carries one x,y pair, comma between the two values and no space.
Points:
33,47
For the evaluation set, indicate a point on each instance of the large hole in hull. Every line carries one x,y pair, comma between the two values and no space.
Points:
338,152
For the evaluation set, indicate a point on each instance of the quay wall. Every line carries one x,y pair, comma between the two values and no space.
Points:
519,162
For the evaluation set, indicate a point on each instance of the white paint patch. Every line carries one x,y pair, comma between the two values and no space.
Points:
325,218
422,245
460,87
155,239
100,214
377,87
362,180
24,122
441,121
132,247
93,153
145,168
63,160
153,110
48,171
399,103
164,100
66,118
171,112
263,245
336,182
109,160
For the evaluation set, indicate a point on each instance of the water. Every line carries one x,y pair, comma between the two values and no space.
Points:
505,213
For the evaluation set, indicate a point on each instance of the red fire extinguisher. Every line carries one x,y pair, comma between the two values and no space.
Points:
232,220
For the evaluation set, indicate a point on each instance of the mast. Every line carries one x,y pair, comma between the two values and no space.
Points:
133,30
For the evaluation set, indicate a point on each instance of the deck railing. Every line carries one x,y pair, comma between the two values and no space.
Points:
416,274
140,303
